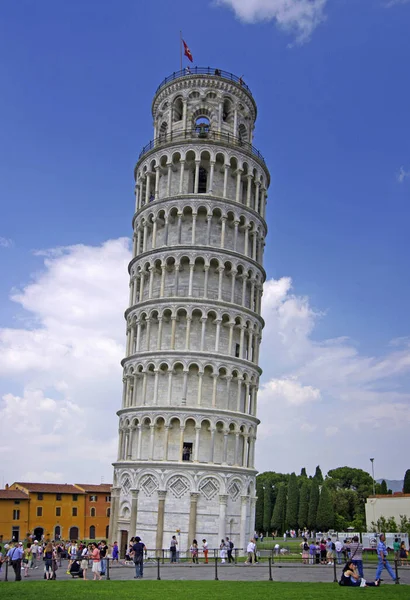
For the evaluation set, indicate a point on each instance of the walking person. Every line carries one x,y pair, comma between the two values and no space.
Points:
115,553
383,563
84,561
95,557
205,550
173,549
27,558
34,552
339,550
356,554
138,550
48,561
194,552
229,548
222,551
250,549
15,556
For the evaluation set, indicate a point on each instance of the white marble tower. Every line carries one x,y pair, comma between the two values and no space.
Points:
187,424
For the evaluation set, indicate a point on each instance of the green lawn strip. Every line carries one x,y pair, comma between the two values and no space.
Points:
226,590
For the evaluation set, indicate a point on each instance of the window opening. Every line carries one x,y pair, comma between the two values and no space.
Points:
202,178
187,451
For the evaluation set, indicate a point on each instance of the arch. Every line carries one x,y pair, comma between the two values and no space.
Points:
92,532
74,533
92,512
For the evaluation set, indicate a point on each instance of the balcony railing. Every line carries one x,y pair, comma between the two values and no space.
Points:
189,71
215,136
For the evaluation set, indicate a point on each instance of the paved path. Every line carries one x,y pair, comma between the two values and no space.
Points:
241,572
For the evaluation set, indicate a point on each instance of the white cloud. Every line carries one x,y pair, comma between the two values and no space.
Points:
402,174
390,3
6,242
61,378
299,17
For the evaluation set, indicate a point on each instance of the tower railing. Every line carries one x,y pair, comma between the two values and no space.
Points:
189,71
195,134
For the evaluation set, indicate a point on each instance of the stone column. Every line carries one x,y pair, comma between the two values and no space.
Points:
225,447
156,386
221,274
138,249
157,174
181,178
134,393
151,442
160,520
139,447
193,235
113,528
147,188
184,387
217,333
237,449
173,331
179,226
244,517
233,277
169,165
223,501
191,278
199,397
196,449
208,229
188,332
248,193
223,226
162,289
206,272
196,180
235,239
181,440
149,320
134,512
225,180
238,403
211,458
211,177
159,337
203,321
169,388
238,185
154,233
192,517
215,382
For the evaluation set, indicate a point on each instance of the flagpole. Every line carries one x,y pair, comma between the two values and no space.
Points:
180,49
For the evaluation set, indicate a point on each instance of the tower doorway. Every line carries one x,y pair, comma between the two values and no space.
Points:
123,543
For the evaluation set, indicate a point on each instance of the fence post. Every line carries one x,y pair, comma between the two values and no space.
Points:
236,556
6,578
158,569
163,556
396,568
108,569
270,569
272,553
216,568
334,571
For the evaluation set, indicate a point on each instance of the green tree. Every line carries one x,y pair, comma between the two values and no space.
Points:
259,506
313,504
292,504
406,482
303,505
279,511
267,507
383,487
303,472
325,519
318,475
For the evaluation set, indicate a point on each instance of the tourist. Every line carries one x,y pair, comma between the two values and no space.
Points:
173,549
34,552
229,548
95,557
261,537
194,552
351,577
276,549
103,555
27,558
251,551
403,554
205,550
383,563
317,553
339,550
306,552
222,551
72,552
356,554
396,548
115,552
48,560
14,556
322,552
138,550
84,561
330,551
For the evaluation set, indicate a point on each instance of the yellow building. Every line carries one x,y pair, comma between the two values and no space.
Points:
97,509
56,511
14,519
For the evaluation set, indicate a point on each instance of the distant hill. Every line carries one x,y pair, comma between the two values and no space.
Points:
395,485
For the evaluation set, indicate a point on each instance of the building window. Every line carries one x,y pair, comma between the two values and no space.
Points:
237,350
16,501
15,534
202,177
58,511
75,497
108,498
92,512
108,512
74,512
16,515
39,496
92,532
93,498
58,497
39,511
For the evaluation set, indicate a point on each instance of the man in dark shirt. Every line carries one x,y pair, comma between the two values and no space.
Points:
103,556
138,550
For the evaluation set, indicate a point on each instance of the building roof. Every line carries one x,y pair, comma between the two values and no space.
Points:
13,495
103,488
49,488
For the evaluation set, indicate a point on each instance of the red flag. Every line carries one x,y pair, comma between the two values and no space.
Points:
187,52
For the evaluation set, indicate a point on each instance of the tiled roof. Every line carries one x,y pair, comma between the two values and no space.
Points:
48,488
103,488
13,495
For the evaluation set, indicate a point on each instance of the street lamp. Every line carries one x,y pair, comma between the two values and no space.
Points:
374,487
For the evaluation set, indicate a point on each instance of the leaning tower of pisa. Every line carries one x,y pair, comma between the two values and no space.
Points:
188,420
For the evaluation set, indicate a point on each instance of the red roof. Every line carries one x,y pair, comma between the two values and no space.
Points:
12,495
48,488
103,488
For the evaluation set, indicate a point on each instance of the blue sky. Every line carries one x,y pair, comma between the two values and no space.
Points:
333,121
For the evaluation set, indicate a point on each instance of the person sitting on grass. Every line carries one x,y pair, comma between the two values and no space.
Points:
351,577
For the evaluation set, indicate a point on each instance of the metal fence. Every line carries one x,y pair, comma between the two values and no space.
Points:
190,71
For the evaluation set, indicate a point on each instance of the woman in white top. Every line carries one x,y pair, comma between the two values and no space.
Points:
222,551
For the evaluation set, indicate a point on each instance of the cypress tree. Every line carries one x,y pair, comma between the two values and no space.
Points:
303,505
406,482
325,519
259,506
318,475
292,503
383,487
267,507
313,504
303,472
279,512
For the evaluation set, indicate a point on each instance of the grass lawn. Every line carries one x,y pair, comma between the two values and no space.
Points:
226,590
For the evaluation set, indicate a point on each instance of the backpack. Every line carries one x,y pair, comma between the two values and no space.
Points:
231,545
305,546
333,546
